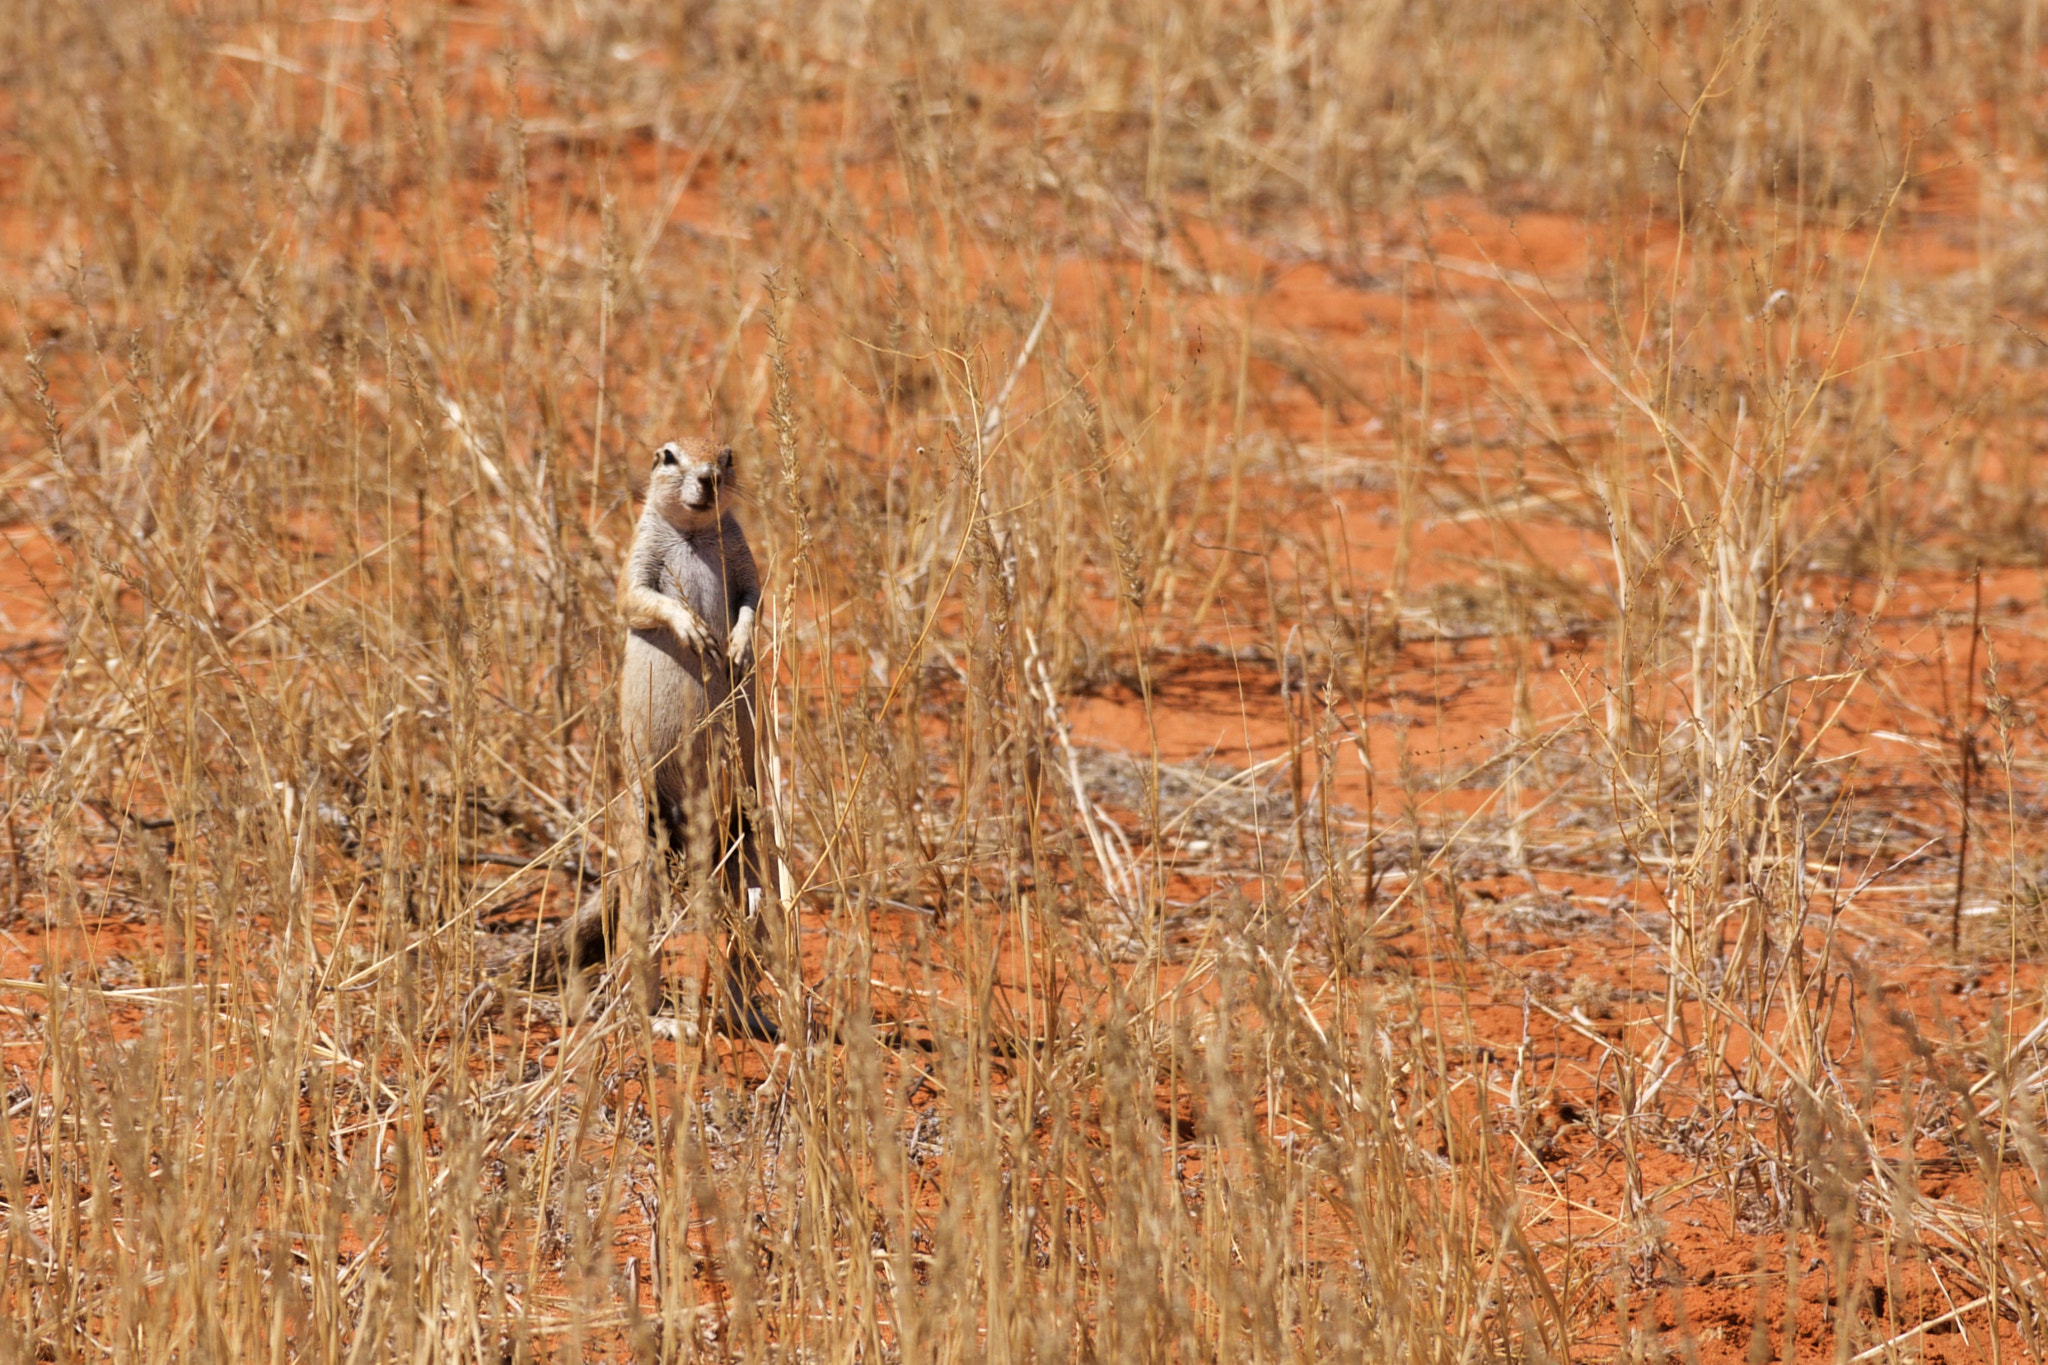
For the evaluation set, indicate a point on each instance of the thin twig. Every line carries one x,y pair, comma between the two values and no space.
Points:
1966,745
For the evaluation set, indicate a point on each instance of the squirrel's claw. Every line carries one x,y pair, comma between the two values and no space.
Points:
691,631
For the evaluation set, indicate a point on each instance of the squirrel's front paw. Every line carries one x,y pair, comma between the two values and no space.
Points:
691,631
739,645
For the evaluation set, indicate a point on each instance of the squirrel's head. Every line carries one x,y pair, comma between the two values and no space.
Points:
691,479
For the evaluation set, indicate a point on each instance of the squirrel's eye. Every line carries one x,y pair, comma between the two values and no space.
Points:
667,455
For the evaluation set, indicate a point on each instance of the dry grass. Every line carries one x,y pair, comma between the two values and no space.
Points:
345,334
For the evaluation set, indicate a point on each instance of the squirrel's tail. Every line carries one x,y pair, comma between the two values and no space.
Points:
582,940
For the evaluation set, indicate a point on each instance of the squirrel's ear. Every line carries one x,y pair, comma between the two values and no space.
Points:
725,457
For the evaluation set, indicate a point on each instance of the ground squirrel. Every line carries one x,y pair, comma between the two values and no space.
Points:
689,594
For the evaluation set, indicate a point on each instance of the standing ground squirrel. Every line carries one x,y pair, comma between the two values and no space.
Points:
689,593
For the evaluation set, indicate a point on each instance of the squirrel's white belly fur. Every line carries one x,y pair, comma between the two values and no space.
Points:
674,696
